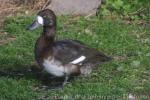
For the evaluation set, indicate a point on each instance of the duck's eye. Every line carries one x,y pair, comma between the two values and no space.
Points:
40,20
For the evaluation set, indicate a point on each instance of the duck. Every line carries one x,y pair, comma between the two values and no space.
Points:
63,58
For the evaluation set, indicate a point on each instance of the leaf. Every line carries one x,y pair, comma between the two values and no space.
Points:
118,4
127,8
105,12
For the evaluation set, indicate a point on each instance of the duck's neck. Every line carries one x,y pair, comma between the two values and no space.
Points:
49,34
45,42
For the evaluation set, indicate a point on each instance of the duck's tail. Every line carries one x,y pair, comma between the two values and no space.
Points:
103,58
98,59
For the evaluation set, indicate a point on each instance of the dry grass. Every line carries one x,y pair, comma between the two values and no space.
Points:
11,8
32,4
7,9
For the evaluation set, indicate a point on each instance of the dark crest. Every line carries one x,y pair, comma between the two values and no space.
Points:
48,16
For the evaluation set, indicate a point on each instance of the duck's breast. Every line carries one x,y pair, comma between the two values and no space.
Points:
54,67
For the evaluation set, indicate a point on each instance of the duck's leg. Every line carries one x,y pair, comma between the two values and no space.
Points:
57,86
65,80
70,69
63,84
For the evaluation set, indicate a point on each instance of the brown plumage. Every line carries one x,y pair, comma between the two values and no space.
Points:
65,57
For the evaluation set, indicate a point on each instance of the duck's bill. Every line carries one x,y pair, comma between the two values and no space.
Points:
34,25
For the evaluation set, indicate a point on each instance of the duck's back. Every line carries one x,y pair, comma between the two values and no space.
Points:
67,51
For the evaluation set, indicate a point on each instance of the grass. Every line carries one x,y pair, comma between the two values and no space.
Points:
127,74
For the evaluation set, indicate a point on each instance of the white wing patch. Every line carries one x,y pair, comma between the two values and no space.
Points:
78,60
40,20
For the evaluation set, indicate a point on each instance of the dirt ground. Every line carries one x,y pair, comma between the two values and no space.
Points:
7,9
13,8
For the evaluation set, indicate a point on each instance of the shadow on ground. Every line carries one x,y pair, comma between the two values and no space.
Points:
47,81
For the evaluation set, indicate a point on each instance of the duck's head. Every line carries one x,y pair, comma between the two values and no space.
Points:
45,18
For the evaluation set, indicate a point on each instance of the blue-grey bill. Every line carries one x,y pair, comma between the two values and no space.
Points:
34,25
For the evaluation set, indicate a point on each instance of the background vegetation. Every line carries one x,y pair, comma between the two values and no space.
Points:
128,9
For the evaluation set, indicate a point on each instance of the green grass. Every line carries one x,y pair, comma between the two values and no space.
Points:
127,74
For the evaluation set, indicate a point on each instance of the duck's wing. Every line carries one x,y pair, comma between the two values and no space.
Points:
72,51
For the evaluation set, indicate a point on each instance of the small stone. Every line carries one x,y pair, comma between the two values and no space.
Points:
87,31
131,97
136,63
26,12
